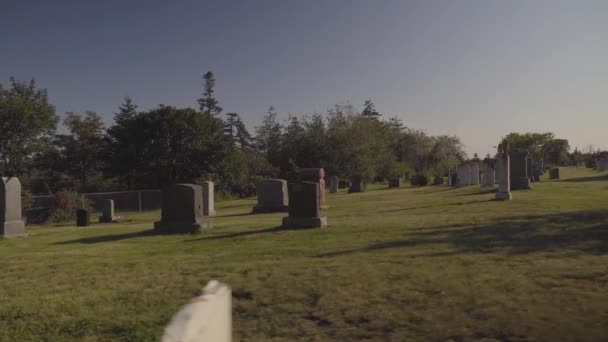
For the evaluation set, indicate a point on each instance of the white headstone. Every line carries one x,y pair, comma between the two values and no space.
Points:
463,175
208,199
11,221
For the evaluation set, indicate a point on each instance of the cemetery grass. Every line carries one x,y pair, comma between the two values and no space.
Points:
431,263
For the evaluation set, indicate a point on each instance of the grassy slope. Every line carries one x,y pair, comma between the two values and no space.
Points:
430,263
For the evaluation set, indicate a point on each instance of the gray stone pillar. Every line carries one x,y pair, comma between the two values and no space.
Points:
11,221
208,199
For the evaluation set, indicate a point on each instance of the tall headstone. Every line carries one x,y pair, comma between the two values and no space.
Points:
464,175
83,218
474,177
206,318
316,175
519,169
500,174
11,221
530,169
182,210
208,199
489,177
356,185
394,183
107,211
304,206
333,184
504,184
272,196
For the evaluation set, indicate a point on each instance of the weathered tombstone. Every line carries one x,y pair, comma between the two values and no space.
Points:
316,175
489,177
554,173
603,165
504,184
454,179
107,211
356,185
83,218
208,199
394,183
272,196
519,169
182,210
304,206
333,184
11,221
206,318
474,174
530,169
464,175
438,180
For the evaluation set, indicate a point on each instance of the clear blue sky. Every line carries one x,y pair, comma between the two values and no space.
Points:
476,69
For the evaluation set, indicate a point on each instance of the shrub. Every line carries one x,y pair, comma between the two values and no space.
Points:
419,180
65,205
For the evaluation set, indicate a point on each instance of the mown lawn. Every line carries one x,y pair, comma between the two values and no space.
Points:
431,263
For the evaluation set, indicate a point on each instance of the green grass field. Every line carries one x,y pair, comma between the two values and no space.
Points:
432,263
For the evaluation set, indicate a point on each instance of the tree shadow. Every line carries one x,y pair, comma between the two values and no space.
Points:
598,178
485,191
235,215
109,238
583,231
436,206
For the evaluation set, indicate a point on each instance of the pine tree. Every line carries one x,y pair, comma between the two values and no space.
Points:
208,104
126,111
369,111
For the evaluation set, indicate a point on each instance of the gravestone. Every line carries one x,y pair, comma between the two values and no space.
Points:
554,173
474,177
518,170
489,177
333,184
83,218
208,199
464,175
530,169
107,211
356,185
394,183
504,183
272,196
500,174
304,206
438,180
454,179
11,221
315,175
602,165
206,318
182,210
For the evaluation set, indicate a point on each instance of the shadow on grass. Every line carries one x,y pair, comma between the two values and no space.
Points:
246,233
235,215
109,238
583,231
598,178
436,206
485,191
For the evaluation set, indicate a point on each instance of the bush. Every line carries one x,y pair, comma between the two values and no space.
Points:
419,180
65,205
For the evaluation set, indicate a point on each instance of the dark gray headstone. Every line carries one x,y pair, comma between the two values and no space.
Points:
356,185
394,183
519,169
438,181
272,196
11,221
304,206
182,210
530,169
83,218
333,184
554,173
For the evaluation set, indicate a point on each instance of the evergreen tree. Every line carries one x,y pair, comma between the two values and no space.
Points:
369,111
209,104
126,111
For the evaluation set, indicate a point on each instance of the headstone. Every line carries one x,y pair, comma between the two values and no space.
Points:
519,169
603,165
206,318
316,175
454,179
356,185
438,181
333,184
272,196
474,177
541,167
83,218
554,173
304,206
489,177
500,174
394,183
464,175
504,184
107,211
182,210
530,169
11,221
208,199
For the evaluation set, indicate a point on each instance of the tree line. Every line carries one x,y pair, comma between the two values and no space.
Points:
164,145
